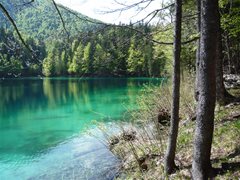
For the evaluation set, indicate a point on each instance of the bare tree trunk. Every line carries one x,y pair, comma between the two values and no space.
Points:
172,141
228,52
198,2
207,90
222,95
220,89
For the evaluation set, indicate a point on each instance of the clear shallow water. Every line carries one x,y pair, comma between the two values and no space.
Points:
44,125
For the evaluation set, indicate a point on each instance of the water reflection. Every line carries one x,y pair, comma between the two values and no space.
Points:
46,111
38,114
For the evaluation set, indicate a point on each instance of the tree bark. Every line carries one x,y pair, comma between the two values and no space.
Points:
207,90
198,2
172,141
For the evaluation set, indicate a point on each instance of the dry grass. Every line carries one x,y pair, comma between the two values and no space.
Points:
142,156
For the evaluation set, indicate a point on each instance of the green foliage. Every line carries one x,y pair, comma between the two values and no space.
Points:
158,64
101,58
87,59
48,65
40,20
165,35
75,66
135,61
230,20
230,23
15,59
113,52
107,53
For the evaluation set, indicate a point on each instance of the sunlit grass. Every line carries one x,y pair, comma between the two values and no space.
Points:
143,156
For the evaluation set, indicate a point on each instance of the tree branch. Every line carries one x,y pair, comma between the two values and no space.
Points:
60,15
5,12
126,7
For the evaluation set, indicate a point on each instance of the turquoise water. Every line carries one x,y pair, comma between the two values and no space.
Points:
45,125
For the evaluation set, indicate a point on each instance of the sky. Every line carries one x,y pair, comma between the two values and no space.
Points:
97,9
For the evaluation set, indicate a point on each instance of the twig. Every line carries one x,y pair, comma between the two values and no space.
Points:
60,15
5,12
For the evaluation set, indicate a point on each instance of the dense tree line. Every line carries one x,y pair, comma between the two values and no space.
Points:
112,52
16,59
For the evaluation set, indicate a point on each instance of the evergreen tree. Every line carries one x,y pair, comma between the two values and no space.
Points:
75,66
48,65
135,61
100,63
87,59
64,60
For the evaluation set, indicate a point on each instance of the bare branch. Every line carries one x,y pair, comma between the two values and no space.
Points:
5,12
126,7
142,9
127,26
158,42
60,15
154,13
27,3
81,18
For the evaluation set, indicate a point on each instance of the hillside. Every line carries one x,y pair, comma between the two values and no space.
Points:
40,20
90,52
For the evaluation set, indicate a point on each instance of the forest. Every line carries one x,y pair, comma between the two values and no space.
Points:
91,49
114,52
124,53
186,128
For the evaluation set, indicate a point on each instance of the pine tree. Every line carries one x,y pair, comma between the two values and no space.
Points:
87,59
100,63
75,66
135,61
48,65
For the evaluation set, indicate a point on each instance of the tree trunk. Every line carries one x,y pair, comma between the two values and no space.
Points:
222,95
207,90
171,149
198,2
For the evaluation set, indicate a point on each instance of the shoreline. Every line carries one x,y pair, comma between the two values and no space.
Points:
142,155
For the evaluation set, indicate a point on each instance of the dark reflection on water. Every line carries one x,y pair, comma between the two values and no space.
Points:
40,117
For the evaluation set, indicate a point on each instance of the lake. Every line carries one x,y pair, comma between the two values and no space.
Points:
45,125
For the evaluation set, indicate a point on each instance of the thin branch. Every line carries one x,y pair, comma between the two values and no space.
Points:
27,3
190,15
158,42
190,40
129,27
142,8
24,4
81,18
126,7
154,14
60,15
5,12
161,30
